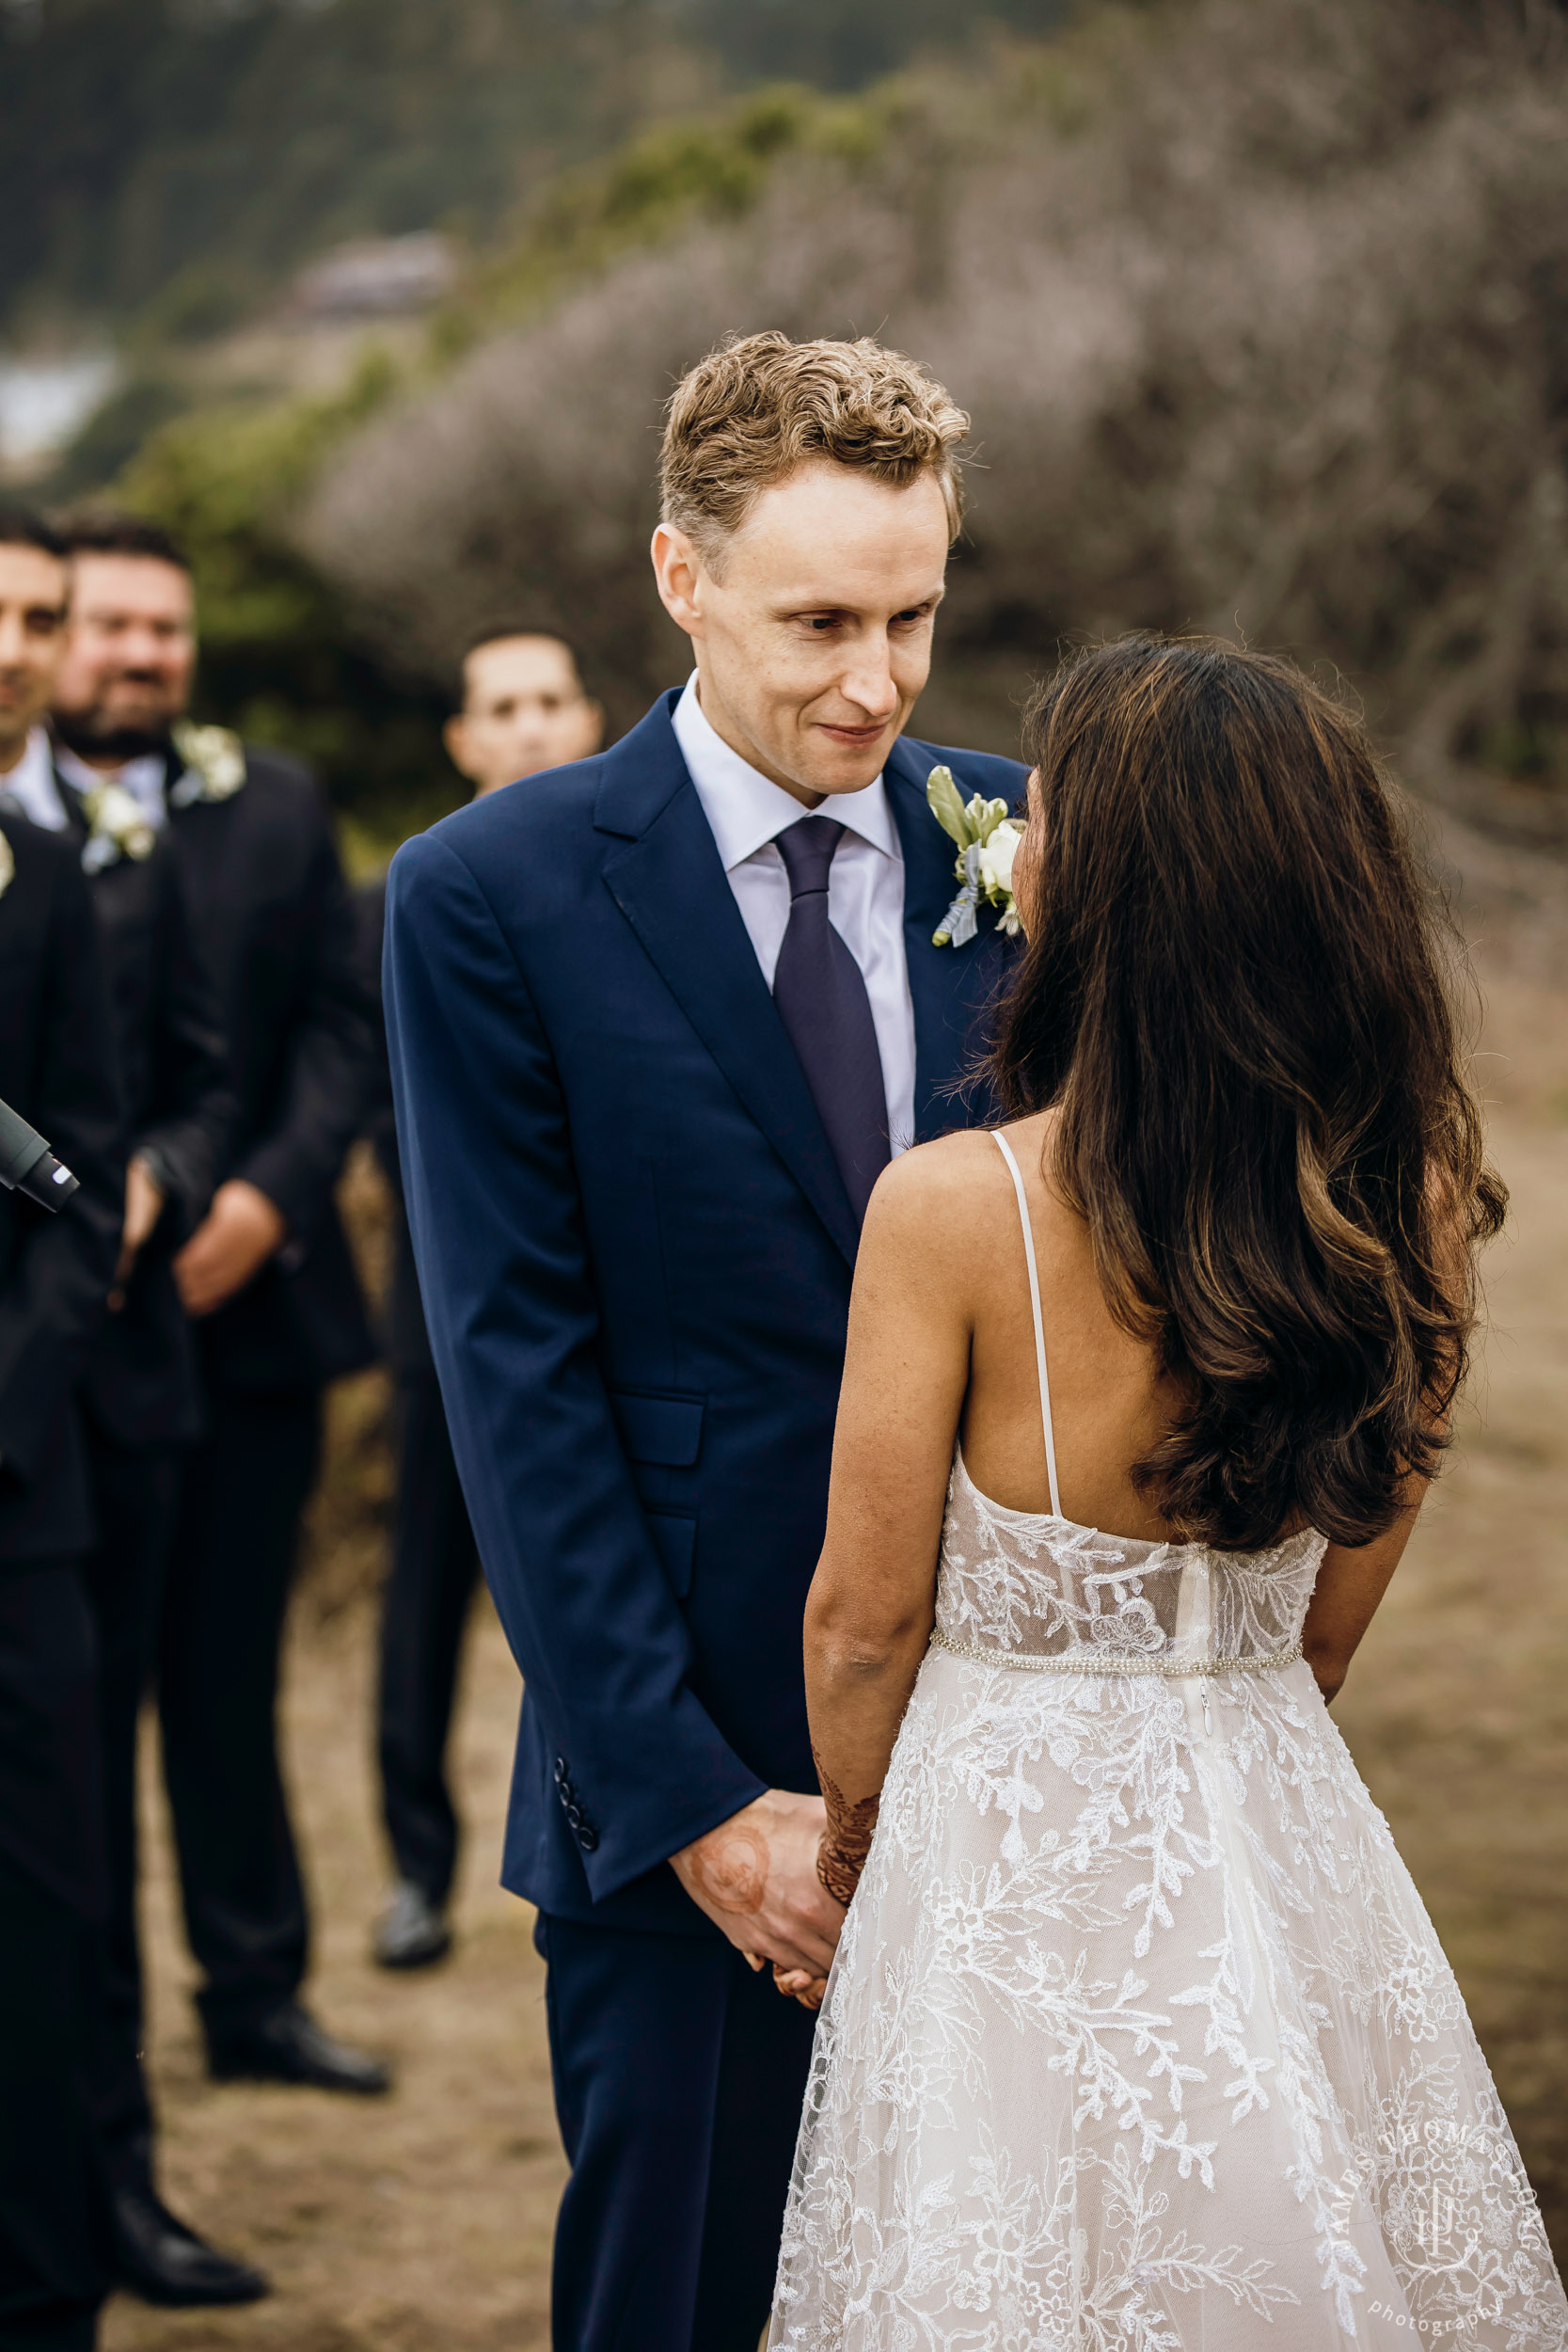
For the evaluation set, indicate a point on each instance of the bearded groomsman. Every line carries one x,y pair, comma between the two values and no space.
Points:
523,710
141,1406
57,1070
266,1276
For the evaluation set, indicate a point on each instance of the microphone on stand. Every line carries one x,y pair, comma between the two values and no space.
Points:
27,1165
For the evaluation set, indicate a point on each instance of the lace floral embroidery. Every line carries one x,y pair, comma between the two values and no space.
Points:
1139,2038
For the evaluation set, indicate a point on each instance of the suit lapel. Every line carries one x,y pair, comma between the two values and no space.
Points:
71,801
950,987
669,883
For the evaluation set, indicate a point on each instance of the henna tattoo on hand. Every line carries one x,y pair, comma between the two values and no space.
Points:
729,1868
847,1840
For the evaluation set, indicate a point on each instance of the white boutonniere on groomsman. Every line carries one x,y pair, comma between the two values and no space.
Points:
120,827
988,840
214,765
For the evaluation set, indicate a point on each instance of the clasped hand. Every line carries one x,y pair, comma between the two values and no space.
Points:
756,1876
240,1232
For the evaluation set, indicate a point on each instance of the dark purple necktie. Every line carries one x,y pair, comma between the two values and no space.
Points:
821,997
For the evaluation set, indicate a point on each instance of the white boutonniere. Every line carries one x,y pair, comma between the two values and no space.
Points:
119,828
8,866
214,765
988,840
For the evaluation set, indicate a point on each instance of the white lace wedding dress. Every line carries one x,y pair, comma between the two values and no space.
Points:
1139,2038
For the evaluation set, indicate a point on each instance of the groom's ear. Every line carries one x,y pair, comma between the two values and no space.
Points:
677,569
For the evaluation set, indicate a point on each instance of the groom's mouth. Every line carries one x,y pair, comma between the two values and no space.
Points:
854,738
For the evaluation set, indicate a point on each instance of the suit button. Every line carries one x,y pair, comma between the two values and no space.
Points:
562,1777
588,1836
573,1814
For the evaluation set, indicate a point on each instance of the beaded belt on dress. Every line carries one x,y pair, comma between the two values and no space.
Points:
1089,1662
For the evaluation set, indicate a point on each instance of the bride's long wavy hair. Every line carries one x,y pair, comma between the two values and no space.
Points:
1237,993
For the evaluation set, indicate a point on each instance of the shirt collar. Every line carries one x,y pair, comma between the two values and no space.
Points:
31,784
746,809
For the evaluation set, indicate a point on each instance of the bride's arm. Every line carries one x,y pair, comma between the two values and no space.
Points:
1345,1597
869,1614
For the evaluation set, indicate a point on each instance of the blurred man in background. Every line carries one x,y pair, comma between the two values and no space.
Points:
141,1402
524,709
57,1070
266,1276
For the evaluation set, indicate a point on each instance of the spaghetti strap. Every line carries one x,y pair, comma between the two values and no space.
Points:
1006,1150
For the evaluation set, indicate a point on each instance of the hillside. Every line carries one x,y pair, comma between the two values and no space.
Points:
172,160
1258,306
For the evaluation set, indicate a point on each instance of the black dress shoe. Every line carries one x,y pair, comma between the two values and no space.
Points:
288,2046
413,1931
156,2257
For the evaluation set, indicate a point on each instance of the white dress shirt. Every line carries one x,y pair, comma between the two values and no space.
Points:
31,784
866,885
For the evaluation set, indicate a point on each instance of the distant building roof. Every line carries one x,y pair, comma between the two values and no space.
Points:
376,275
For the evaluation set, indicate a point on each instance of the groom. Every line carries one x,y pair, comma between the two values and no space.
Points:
655,1024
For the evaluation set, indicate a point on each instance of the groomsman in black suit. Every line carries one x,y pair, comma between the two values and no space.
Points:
141,1405
266,1276
523,710
57,1070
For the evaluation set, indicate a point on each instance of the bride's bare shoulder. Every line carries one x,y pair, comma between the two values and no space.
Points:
942,1196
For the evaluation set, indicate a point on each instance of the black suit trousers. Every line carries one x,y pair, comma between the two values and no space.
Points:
244,1490
135,1494
52,2220
424,1610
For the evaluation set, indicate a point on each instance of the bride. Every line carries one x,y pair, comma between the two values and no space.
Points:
1138,2038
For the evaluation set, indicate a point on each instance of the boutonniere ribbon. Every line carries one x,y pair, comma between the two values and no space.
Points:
988,840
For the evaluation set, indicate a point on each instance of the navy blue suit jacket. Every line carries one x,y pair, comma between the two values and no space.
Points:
636,1253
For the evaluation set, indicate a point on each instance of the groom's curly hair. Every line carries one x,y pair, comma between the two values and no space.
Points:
760,406
1238,995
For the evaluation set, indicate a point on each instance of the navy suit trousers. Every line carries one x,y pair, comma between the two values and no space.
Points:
678,2080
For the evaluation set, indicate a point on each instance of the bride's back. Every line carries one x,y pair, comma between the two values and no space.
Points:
1110,1402
1249,1155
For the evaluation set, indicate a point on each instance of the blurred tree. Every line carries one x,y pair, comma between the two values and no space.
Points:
1257,308
843,44
279,661
210,144
138,142
283,656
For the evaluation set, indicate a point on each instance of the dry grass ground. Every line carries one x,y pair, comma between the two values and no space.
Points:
422,2224
1457,1705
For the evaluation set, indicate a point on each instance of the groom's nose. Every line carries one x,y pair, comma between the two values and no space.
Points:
868,682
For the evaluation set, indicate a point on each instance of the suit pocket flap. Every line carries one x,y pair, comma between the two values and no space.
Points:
663,1429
